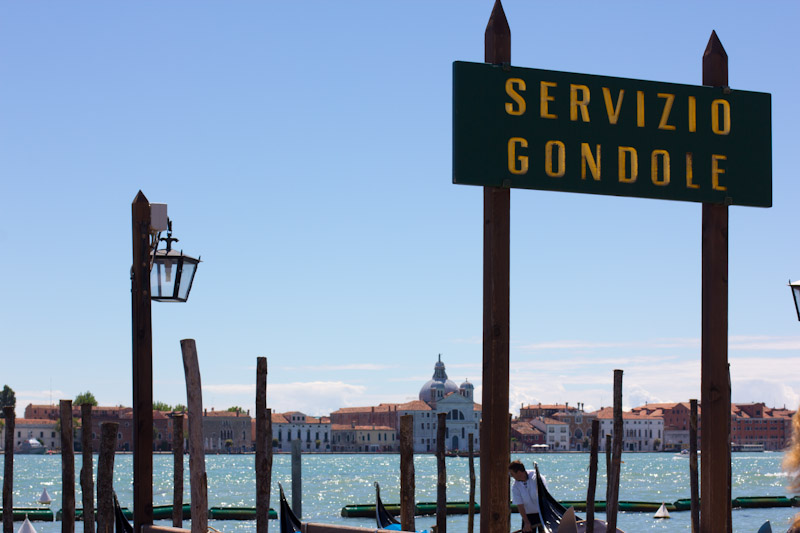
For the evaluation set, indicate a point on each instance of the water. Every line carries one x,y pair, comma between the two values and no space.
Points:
332,481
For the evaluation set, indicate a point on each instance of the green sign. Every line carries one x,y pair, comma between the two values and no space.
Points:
539,129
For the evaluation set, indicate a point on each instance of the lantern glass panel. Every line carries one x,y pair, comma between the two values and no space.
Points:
187,276
163,276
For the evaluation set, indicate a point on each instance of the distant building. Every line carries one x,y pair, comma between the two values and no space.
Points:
225,431
641,432
524,436
677,419
364,438
546,410
556,432
437,395
313,433
755,423
579,426
43,430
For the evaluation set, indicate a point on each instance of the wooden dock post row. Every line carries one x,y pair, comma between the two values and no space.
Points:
87,467
105,477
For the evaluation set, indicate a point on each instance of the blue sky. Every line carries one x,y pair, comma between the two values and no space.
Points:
304,149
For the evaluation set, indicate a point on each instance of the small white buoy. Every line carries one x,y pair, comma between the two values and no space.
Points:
26,526
662,512
45,498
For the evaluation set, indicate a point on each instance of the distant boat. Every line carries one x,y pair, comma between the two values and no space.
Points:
32,447
662,512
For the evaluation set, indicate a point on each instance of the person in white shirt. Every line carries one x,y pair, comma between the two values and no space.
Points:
525,495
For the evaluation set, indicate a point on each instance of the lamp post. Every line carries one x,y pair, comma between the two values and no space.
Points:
158,275
795,286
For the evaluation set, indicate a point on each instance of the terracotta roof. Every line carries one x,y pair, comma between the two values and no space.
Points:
607,413
416,405
229,414
345,427
34,421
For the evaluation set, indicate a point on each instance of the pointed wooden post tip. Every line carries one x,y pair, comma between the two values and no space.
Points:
140,198
497,37
498,23
714,46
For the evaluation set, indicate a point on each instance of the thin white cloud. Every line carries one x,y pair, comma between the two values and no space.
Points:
735,342
336,368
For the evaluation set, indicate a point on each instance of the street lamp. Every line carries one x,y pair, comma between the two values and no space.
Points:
172,272
164,276
795,286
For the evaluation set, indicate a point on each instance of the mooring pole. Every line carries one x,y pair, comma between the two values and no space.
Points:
715,405
142,366
177,469
495,456
694,487
67,468
441,474
262,472
8,470
87,468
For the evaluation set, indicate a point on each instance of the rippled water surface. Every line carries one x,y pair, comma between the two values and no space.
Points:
332,481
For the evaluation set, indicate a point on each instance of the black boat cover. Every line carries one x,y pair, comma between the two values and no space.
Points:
122,524
383,517
289,522
549,509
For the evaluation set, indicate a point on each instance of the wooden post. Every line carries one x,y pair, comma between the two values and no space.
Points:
609,445
8,470
197,454
67,469
612,505
715,514
262,470
495,455
297,479
590,493
105,477
177,470
693,480
407,483
142,366
269,456
441,474
87,468
471,511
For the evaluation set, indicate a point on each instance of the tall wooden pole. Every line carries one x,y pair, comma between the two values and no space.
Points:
142,366
198,480
471,511
590,492
694,488
441,474
262,470
67,468
612,504
495,455
177,470
715,513
87,468
105,477
297,478
8,470
407,482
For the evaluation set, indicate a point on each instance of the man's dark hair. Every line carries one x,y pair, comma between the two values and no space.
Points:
517,466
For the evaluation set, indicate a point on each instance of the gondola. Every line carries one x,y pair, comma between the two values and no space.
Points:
550,510
289,522
122,524
383,517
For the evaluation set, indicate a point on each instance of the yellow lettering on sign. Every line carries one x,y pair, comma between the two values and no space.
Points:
518,99
726,117
664,122
611,110
716,172
623,153
690,184
576,104
545,99
640,109
664,179
692,114
548,159
587,158
513,158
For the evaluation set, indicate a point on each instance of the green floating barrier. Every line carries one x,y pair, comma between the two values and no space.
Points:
238,513
421,509
752,502
33,513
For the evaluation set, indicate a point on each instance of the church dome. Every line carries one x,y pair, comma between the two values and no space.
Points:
438,381
466,385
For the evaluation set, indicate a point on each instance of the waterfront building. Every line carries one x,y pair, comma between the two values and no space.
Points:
677,419
355,438
225,431
546,410
756,425
314,433
437,395
41,429
524,436
556,432
641,432
579,427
